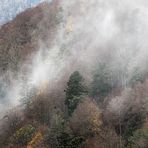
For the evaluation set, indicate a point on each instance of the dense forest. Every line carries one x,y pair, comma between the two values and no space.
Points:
75,75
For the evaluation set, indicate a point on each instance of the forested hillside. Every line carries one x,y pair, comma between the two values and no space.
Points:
74,74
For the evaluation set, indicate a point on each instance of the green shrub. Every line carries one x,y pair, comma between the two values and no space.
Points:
60,135
139,138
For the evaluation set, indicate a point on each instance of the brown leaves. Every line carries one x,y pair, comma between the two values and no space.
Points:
86,119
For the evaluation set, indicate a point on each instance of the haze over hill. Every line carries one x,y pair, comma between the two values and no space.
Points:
18,40
75,72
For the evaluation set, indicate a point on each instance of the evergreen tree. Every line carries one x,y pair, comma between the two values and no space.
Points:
136,77
101,85
75,91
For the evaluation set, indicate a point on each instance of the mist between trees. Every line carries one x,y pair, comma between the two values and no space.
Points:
74,74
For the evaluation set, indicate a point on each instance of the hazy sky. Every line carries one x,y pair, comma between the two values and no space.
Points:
9,8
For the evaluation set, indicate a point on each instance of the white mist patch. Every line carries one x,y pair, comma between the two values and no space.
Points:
108,27
12,96
47,64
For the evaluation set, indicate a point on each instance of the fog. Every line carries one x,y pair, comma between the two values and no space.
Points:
90,32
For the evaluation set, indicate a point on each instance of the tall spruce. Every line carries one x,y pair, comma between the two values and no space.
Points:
75,91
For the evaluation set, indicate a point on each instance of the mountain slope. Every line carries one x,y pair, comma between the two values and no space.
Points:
19,37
